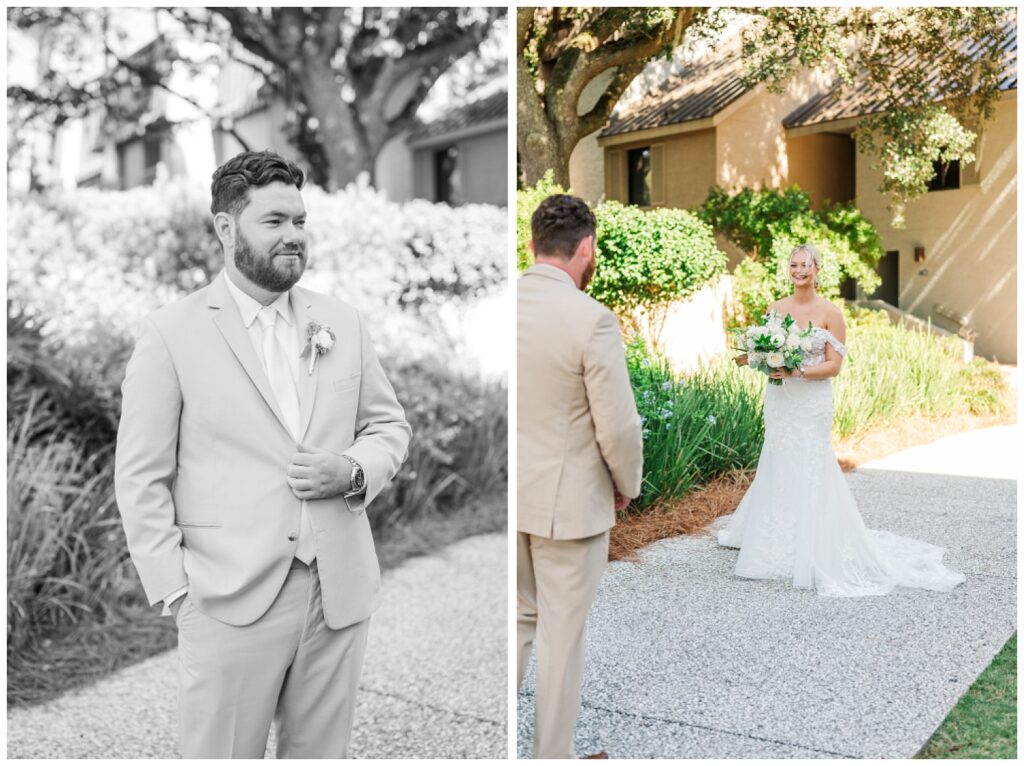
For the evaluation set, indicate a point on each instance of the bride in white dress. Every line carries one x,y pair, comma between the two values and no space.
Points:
798,520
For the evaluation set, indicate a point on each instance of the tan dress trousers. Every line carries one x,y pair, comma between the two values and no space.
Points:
556,581
288,667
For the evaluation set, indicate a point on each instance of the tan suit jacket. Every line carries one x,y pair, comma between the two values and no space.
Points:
203,449
579,434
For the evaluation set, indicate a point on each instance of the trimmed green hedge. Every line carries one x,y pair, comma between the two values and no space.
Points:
646,258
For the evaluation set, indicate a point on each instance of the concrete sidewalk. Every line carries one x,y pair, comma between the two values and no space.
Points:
434,685
685,660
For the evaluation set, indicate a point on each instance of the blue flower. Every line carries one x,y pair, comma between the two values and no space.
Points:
712,419
666,385
665,413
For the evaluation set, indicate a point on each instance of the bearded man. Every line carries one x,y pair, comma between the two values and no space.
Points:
256,427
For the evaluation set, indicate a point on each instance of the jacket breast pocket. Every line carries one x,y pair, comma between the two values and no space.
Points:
347,383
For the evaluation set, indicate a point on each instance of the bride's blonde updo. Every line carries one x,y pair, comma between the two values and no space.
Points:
812,251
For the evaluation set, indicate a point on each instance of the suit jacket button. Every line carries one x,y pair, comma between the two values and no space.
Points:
293,537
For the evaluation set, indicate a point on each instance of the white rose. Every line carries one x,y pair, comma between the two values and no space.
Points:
775,359
755,357
805,343
324,340
779,339
793,340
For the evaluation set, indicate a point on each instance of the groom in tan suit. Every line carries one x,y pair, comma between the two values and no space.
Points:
247,454
580,459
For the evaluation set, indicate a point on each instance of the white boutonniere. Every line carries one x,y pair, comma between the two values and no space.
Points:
321,340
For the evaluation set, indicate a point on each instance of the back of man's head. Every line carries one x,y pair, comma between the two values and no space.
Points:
249,170
558,225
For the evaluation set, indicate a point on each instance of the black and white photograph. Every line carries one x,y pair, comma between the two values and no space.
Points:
257,397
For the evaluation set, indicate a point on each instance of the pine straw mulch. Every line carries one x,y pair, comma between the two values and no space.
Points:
685,516
698,509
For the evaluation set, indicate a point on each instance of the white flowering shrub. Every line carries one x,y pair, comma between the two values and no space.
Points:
87,265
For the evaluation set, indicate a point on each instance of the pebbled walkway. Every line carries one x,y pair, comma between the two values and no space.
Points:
434,684
685,660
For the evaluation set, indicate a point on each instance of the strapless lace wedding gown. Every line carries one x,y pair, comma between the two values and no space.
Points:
799,521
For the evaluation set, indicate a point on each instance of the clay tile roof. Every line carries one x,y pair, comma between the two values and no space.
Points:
701,90
493,107
863,98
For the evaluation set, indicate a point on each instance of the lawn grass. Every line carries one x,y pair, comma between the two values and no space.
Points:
90,651
984,722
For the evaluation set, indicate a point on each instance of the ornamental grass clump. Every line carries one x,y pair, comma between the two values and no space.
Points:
895,372
695,427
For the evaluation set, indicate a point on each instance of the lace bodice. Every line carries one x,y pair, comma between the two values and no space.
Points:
819,338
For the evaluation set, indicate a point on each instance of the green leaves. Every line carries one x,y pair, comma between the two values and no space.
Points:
694,427
646,258
919,74
769,223
650,258
908,141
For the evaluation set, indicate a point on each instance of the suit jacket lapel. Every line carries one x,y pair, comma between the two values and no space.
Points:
227,319
301,308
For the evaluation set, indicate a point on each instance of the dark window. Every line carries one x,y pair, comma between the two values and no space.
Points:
151,146
947,176
889,270
446,164
640,177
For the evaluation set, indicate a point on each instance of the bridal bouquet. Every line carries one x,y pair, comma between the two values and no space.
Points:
774,344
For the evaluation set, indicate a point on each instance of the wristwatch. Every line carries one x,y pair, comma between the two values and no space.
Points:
357,481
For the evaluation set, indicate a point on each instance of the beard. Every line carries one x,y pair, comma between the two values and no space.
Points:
265,270
587,275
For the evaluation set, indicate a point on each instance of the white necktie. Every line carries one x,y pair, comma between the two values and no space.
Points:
283,385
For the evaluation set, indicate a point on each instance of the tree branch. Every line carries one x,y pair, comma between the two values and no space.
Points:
252,31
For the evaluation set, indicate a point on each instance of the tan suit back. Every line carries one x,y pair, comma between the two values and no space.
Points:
579,434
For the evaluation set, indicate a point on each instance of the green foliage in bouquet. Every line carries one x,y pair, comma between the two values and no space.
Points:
776,340
768,224
695,427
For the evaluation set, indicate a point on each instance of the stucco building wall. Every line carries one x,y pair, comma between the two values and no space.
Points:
970,241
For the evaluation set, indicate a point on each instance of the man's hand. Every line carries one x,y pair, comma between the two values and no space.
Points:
315,474
741,360
621,501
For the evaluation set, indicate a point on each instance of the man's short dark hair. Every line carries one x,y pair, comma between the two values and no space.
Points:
249,170
558,225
